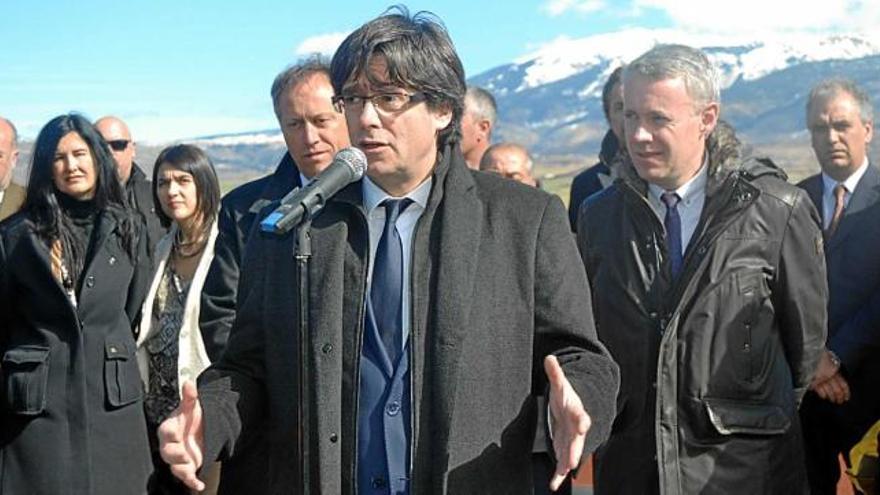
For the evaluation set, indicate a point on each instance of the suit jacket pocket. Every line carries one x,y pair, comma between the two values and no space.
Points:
26,377
121,376
734,417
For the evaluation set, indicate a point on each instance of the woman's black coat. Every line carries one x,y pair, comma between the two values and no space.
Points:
71,416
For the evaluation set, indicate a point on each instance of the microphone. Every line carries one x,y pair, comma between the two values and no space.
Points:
348,166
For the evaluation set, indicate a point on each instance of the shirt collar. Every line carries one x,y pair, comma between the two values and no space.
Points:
374,195
304,180
849,183
690,190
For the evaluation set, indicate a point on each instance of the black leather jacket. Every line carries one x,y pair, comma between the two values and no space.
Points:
713,365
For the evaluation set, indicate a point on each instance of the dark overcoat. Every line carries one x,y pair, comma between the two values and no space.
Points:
71,414
238,213
496,287
713,363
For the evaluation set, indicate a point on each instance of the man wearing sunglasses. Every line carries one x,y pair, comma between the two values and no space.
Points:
447,322
137,187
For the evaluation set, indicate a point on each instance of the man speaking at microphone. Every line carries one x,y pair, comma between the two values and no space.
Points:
446,321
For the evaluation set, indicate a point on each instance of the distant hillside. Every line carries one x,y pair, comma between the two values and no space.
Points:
550,100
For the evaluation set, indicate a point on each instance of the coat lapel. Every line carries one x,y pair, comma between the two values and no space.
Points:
867,193
459,227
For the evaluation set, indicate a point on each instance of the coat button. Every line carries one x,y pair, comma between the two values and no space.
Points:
378,482
90,282
393,408
112,260
327,349
334,438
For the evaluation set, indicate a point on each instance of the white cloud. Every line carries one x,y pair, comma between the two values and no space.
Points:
761,16
556,8
325,44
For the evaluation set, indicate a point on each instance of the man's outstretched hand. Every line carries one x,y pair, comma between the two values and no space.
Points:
181,438
569,422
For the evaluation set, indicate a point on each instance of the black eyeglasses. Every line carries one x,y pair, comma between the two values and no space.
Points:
383,102
118,144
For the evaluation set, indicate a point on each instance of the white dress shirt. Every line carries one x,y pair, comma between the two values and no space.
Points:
690,206
828,199
405,225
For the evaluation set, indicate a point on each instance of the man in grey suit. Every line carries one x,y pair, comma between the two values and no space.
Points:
422,383
843,401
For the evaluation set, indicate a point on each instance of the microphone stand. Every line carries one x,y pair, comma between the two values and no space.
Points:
302,255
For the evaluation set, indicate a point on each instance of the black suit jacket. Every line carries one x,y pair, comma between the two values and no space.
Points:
495,289
238,214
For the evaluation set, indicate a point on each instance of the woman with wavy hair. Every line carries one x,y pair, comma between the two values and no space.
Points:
170,347
73,270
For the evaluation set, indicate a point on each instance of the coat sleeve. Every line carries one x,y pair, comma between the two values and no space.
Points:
142,276
800,291
564,323
217,310
232,390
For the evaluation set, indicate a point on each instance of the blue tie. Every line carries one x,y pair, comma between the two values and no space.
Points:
673,231
387,284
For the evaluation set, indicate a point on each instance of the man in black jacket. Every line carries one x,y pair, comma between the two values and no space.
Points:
844,400
601,175
709,290
313,132
138,187
420,386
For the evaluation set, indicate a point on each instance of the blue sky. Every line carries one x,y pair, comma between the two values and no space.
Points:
179,69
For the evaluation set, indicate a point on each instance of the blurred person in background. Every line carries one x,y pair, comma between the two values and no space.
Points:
511,161
137,187
170,347
602,174
477,124
73,273
11,194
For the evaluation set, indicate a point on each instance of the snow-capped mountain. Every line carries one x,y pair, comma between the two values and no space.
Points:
551,98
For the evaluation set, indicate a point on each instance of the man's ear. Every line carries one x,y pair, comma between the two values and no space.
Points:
442,116
709,118
485,128
13,159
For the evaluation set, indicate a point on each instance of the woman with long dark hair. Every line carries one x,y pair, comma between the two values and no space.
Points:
170,347
73,270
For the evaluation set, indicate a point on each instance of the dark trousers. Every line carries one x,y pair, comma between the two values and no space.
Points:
829,430
543,469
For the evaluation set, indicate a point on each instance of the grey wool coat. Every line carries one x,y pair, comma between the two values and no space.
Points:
497,285
71,411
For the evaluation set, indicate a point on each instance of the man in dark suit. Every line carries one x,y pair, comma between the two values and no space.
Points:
419,385
602,174
314,132
844,400
11,194
138,188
